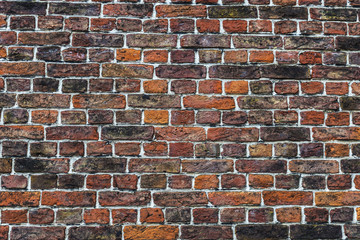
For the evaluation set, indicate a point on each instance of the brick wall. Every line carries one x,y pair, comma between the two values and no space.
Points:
182,119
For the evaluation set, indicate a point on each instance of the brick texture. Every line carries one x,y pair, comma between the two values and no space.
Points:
179,119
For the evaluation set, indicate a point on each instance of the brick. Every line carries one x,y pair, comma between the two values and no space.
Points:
24,232
93,165
177,199
102,24
150,165
234,198
51,38
23,8
14,216
235,26
14,182
31,165
68,199
112,232
72,133
140,232
322,231
182,25
259,166
74,9
283,12
151,40
231,134
234,72
124,215
126,181
232,12
127,71
77,24
180,11
209,102
99,101
205,41
178,215
272,198
11,199
288,215
22,68
22,132
153,181
250,102
98,181
206,232
333,14
114,198
314,166
154,56
97,39
76,70
71,181
100,216
284,133
41,216
127,133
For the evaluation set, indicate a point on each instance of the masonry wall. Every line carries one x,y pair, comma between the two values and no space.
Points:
203,119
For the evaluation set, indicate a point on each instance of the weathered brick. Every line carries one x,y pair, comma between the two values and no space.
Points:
111,232
205,41
22,68
180,71
234,72
127,71
232,12
151,40
28,233
26,199
154,101
115,198
270,231
93,165
177,199
206,232
180,11
150,165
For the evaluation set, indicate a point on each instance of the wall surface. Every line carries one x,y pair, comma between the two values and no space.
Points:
180,119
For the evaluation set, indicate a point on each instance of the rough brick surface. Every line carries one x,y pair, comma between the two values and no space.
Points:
179,119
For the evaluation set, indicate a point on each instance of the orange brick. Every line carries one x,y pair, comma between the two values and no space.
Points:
261,181
310,58
128,55
154,56
239,56
336,150
208,26
312,87
155,86
151,215
100,216
237,87
288,215
337,88
235,26
156,116
262,56
210,86
14,216
206,182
